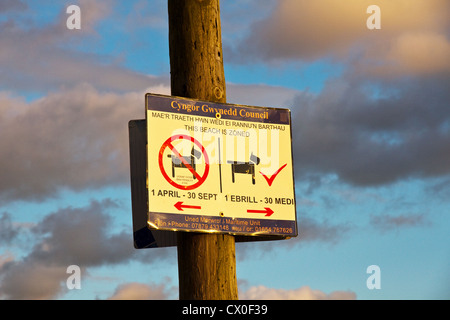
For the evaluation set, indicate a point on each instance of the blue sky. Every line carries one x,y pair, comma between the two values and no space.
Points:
371,140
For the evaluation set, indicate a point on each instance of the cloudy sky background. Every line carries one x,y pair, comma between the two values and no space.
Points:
371,138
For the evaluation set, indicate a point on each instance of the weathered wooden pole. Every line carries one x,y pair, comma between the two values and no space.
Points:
206,262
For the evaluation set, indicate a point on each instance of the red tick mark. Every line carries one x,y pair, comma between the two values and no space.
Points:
272,177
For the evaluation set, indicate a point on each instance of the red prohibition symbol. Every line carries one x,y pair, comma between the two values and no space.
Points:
181,159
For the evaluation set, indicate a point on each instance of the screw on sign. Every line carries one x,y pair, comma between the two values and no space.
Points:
187,162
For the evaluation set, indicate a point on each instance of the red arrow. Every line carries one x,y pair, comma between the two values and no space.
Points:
267,211
179,205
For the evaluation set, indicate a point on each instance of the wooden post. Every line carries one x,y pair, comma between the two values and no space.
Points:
206,262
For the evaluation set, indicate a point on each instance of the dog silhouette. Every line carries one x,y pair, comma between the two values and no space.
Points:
244,167
178,163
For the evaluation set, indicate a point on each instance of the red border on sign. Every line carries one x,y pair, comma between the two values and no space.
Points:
168,143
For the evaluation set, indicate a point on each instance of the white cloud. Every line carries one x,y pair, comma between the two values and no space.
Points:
6,258
31,280
12,5
386,222
47,57
420,53
140,291
260,95
374,132
75,138
68,236
94,11
413,38
303,293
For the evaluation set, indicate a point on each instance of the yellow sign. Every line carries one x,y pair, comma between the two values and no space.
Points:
219,167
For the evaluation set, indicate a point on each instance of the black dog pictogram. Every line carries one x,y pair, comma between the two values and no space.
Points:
178,163
244,167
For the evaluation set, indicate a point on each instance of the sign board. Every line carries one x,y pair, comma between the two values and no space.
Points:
215,167
143,236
